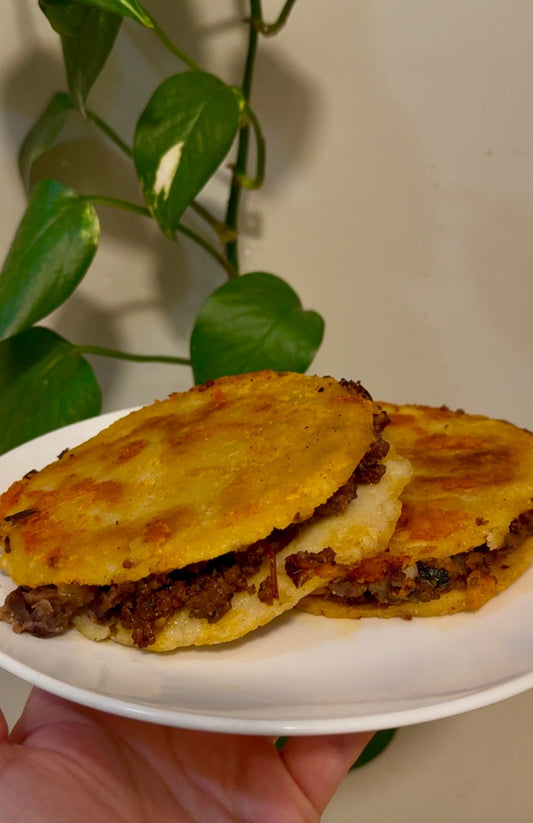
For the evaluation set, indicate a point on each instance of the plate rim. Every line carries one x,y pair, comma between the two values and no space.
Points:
218,722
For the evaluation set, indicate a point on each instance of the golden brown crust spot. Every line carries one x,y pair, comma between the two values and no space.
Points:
472,476
185,479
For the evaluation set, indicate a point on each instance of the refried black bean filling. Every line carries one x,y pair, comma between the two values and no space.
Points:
204,589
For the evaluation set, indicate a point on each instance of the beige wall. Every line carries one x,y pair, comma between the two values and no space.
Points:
398,202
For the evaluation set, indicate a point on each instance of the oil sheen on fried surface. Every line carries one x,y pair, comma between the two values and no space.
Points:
185,479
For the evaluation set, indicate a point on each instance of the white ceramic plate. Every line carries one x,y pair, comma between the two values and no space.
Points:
300,675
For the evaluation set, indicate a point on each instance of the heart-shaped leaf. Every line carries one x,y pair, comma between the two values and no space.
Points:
87,37
52,249
253,322
182,137
42,134
45,383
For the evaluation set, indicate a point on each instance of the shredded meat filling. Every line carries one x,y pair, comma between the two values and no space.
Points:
46,610
204,589
301,566
390,580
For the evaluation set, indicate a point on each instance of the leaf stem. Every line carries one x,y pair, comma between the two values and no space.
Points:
219,227
117,203
102,351
127,205
216,255
175,50
232,251
109,132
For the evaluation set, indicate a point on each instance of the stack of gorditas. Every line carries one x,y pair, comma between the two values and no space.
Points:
199,518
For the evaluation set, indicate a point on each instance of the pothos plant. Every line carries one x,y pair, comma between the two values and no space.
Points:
183,134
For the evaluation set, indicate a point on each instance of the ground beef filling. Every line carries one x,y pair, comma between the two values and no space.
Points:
386,580
205,589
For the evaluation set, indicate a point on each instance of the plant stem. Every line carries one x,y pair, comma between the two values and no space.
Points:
109,132
269,29
102,351
232,251
255,16
167,42
245,181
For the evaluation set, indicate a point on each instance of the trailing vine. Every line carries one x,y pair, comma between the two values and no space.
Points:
183,134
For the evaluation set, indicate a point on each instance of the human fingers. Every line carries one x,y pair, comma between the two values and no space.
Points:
34,714
3,727
318,763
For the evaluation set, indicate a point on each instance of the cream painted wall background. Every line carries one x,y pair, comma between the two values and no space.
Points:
398,202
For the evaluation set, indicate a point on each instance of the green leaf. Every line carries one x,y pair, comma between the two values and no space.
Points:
87,37
375,746
253,322
182,137
42,134
45,383
126,8
52,249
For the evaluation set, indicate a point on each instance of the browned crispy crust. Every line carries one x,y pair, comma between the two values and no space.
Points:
186,479
464,533
158,531
472,476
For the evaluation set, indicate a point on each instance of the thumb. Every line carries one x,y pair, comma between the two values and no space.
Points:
318,764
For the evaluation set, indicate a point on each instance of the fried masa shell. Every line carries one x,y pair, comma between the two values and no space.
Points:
186,479
472,478
359,531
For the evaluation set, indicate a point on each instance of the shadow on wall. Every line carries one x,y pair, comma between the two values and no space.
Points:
331,141
181,275
361,203
500,255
